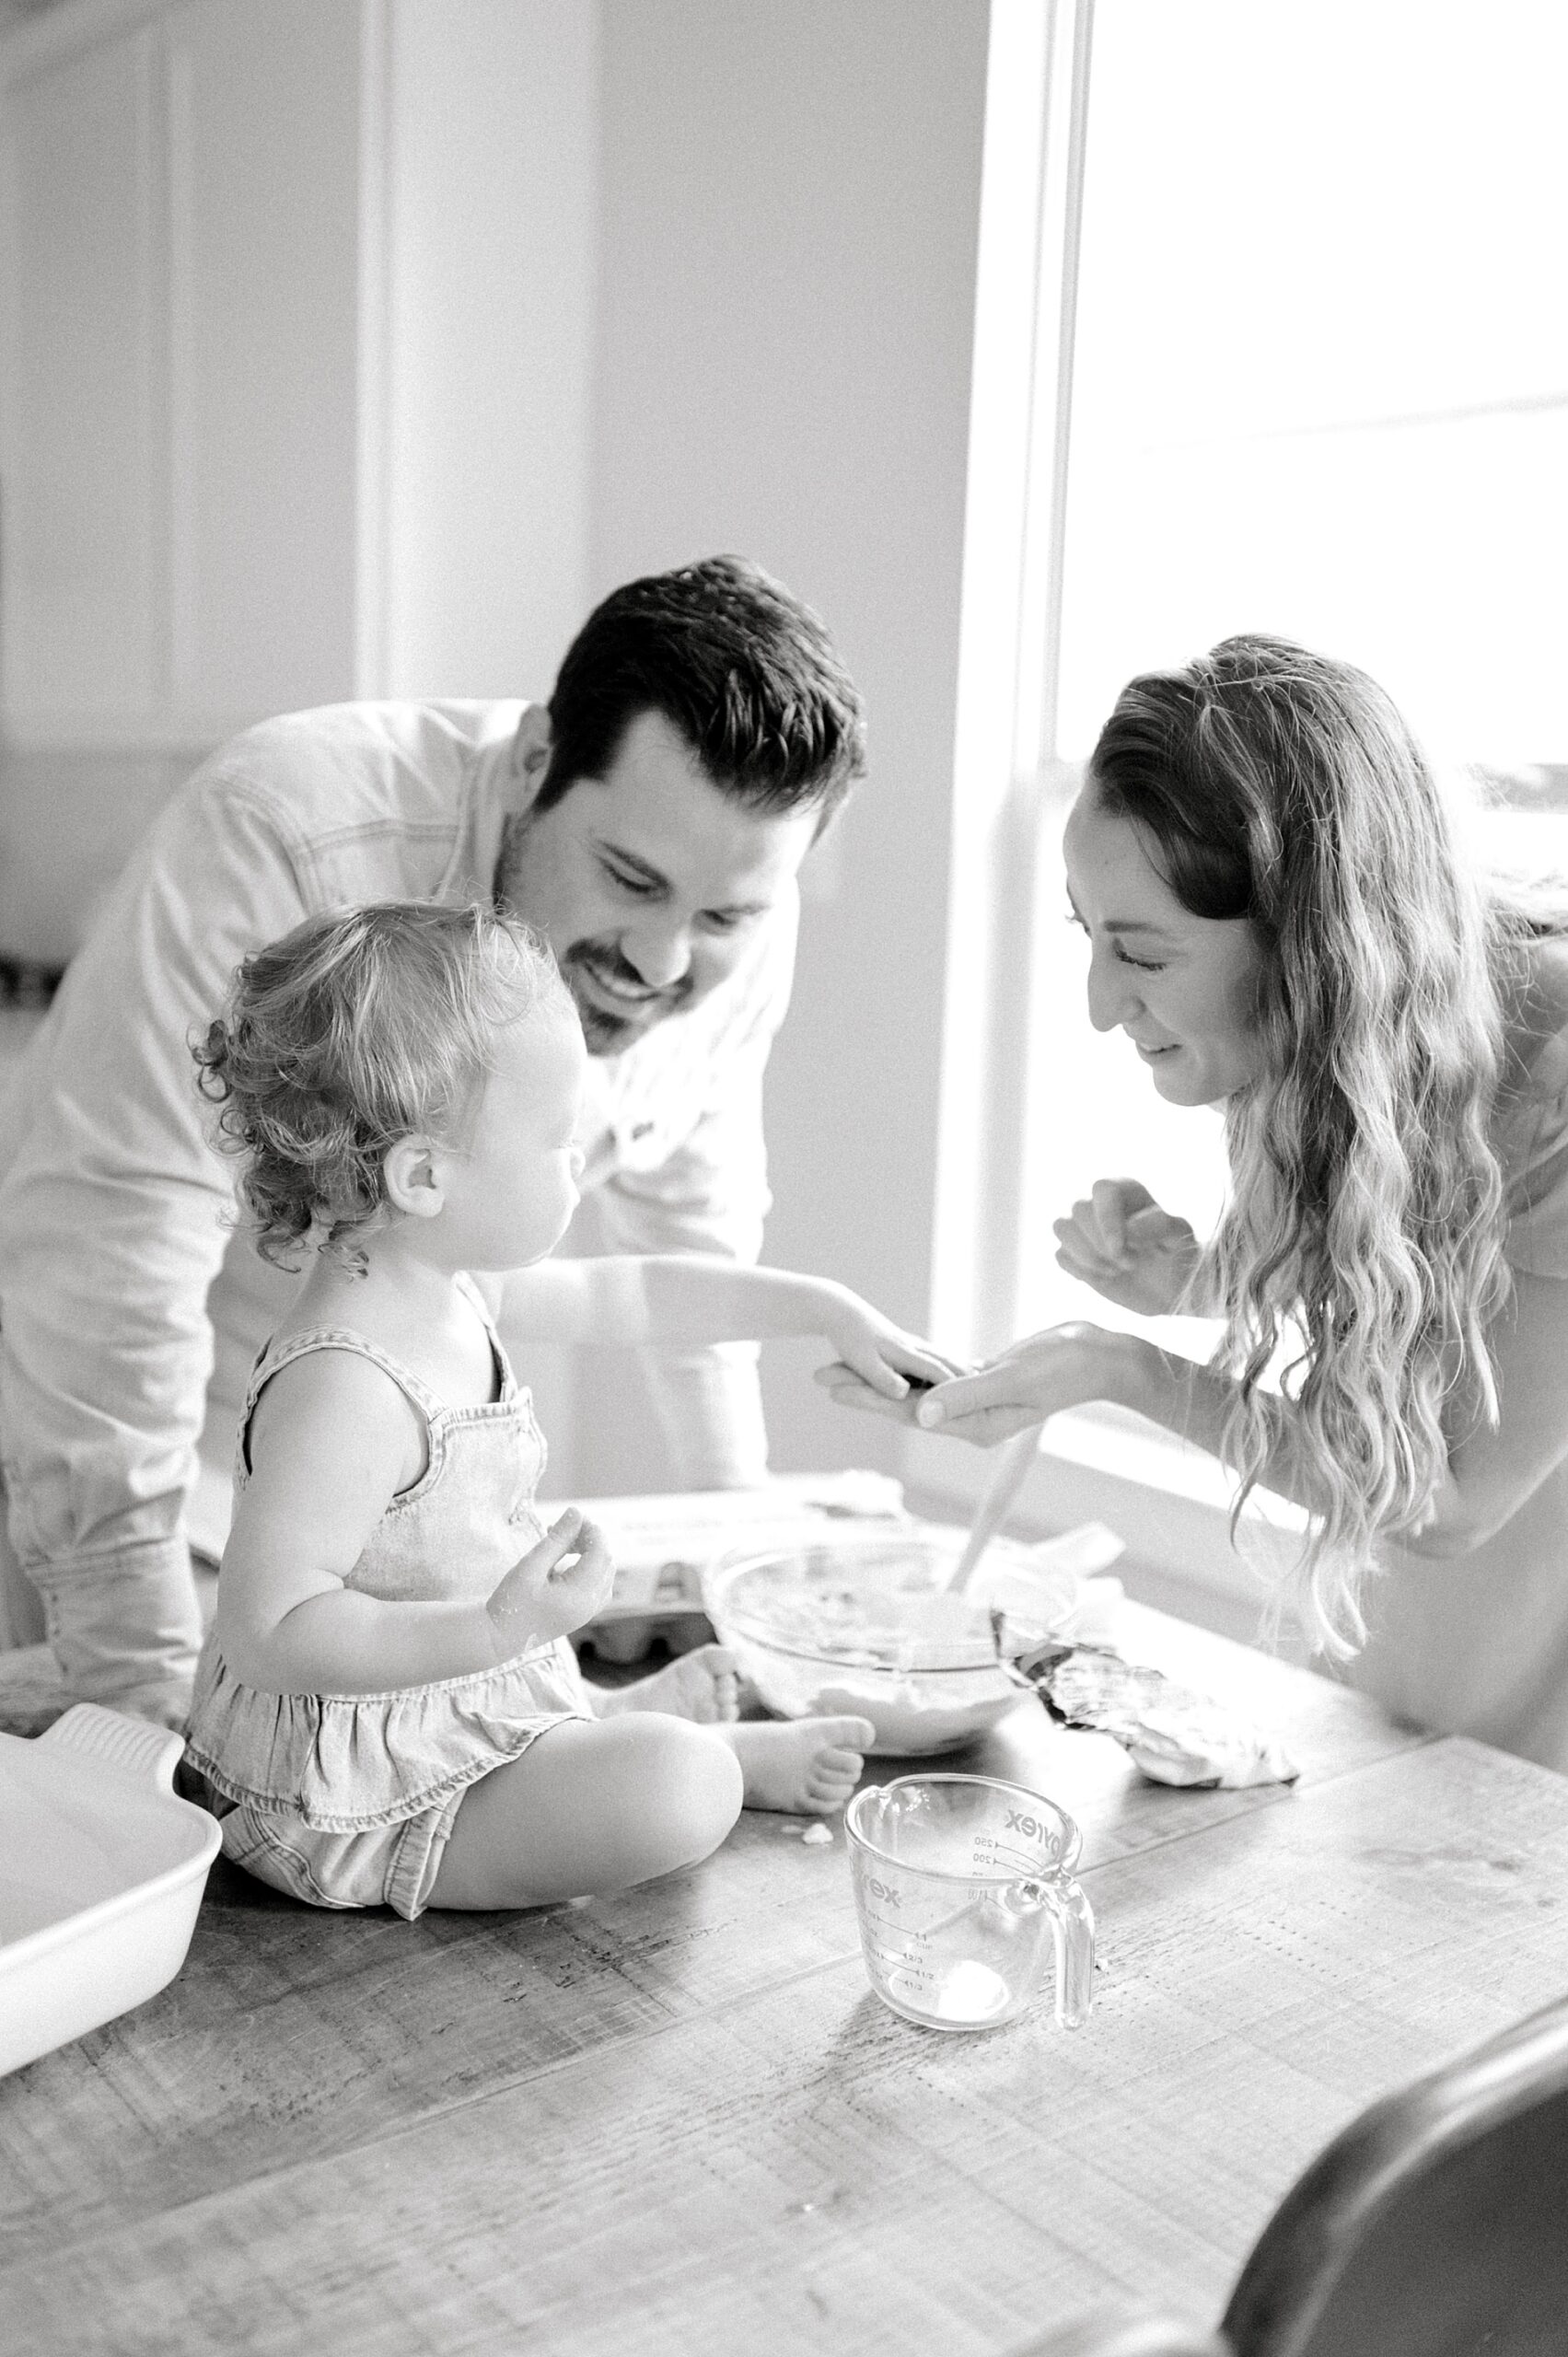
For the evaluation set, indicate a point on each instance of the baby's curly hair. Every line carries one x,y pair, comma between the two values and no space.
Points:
361,1027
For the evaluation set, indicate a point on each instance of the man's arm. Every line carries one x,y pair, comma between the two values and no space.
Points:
111,1228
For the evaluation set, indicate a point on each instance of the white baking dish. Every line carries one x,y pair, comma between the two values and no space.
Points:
102,1872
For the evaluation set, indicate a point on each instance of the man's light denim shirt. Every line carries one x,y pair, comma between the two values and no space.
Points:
128,1301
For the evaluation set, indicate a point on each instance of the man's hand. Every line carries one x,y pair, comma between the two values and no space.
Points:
1119,1240
554,1587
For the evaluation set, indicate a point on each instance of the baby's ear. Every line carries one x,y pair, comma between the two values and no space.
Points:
411,1171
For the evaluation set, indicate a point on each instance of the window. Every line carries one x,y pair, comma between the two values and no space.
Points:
1311,363
1270,336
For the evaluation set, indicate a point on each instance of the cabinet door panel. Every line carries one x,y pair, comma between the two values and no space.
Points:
83,549
264,173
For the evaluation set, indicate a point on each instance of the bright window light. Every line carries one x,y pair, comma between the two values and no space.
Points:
1320,390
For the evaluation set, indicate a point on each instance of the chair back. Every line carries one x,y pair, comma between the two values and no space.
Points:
1435,2225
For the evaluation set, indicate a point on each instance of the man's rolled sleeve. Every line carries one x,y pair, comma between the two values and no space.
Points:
113,1225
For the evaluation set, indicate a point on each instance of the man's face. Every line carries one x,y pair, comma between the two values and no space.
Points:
647,883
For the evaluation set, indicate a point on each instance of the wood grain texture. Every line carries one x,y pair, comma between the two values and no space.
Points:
678,2121
291,2033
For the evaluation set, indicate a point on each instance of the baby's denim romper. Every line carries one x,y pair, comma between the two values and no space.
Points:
346,1800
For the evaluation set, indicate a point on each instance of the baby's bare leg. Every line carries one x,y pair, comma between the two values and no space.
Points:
592,1805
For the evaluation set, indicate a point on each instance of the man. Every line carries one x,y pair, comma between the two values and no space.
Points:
649,824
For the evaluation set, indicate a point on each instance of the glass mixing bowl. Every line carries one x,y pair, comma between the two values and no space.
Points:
858,1624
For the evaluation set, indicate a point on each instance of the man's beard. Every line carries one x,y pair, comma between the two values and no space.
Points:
606,1032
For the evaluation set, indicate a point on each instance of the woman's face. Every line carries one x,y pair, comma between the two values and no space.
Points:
1183,988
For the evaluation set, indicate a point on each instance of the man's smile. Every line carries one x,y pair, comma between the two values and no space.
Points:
620,983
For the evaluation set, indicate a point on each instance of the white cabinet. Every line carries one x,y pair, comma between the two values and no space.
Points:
264,139
183,221
84,343
296,341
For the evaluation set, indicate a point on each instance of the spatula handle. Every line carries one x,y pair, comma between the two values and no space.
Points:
1005,1483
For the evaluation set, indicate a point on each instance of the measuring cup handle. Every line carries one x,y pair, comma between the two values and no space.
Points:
1073,1927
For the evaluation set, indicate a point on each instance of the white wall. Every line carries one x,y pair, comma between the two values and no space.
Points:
790,201
177,401
296,337
628,281
490,181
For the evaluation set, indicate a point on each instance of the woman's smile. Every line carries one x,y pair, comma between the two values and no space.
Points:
1152,963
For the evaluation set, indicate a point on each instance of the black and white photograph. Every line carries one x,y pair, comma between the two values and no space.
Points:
784,1178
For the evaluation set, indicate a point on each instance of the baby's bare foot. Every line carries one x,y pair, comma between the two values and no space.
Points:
808,1766
702,1685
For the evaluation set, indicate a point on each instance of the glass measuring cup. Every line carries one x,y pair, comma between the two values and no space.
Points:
963,1885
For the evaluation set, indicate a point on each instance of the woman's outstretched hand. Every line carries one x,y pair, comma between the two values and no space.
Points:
1061,1367
1119,1240
554,1587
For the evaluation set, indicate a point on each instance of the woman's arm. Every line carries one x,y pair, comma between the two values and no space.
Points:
1493,1471
331,1442
698,1297
1068,1367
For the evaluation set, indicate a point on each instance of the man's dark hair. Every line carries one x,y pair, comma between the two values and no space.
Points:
745,673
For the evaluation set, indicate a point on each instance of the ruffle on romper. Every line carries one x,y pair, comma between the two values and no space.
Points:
349,1763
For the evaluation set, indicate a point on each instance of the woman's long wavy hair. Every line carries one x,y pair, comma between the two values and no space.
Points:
360,1028
1365,1213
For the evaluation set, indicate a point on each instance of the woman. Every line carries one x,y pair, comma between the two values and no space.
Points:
1280,919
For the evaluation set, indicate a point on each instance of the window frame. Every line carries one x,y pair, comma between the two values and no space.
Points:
1169,1501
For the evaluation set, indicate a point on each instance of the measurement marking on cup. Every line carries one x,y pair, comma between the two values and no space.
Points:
963,1933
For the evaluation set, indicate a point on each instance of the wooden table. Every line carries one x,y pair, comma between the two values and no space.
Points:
677,2122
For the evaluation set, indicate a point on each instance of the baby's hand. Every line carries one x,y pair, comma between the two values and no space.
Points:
554,1587
891,1363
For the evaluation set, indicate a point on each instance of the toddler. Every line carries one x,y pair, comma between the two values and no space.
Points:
386,1709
